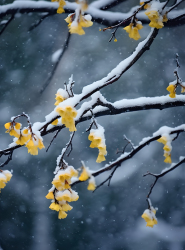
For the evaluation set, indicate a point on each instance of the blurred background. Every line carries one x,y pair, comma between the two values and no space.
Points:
110,218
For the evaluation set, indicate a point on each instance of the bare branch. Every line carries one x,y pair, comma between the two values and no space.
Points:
6,24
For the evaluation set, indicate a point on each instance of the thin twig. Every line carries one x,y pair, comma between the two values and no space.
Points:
7,23
53,139
66,44
33,26
8,160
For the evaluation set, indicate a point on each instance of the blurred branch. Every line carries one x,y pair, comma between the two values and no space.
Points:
39,22
65,46
5,25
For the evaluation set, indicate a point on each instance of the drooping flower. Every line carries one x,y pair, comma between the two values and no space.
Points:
25,135
98,141
68,114
156,19
149,217
172,89
166,140
132,30
61,193
77,21
5,176
34,143
62,3
61,96
85,174
13,128
92,184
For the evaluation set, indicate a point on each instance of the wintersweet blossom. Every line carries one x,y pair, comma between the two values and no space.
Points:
132,30
149,217
97,139
68,114
34,143
61,5
5,176
167,148
146,5
75,26
172,89
92,184
13,128
156,19
84,175
25,135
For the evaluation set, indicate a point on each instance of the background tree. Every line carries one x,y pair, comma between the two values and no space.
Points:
110,214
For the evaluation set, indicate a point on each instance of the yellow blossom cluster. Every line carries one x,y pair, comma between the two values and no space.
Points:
68,114
132,30
62,193
13,128
167,148
156,19
5,176
85,175
61,5
32,140
75,24
98,142
149,217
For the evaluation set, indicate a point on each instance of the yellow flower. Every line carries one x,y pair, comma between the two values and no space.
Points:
33,145
5,176
171,88
92,184
67,195
163,140
50,196
61,5
62,214
24,137
84,175
59,98
98,142
75,26
68,114
167,148
149,217
13,130
168,158
54,206
133,30
55,122
156,19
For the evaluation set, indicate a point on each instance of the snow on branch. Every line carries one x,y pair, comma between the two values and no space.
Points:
145,142
96,10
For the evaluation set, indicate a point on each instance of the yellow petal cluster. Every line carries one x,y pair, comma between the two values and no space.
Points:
75,26
92,184
149,217
5,176
24,137
98,142
167,148
133,30
84,175
172,89
33,145
68,114
13,128
59,98
61,5
156,19
62,192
